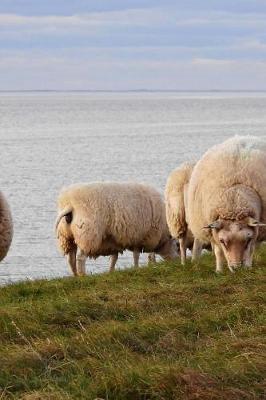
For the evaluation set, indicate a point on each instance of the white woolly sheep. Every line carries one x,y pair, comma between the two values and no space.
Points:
101,219
227,197
6,227
176,210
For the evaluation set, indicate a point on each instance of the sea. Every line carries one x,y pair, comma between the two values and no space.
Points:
52,139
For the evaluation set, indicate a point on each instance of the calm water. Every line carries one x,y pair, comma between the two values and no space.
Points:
52,140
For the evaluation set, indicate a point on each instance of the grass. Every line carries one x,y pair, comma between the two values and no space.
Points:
161,332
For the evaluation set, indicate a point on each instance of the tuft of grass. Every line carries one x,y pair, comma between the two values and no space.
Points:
156,333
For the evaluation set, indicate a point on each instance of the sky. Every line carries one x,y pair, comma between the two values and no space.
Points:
132,45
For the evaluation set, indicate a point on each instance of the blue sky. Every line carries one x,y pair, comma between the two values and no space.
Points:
124,44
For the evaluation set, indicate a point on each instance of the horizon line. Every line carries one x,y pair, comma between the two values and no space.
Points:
137,90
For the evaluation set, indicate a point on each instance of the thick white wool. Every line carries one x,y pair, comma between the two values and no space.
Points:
111,217
228,182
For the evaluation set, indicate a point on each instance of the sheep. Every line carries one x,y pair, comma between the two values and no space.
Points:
6,227
227,199
176,209
100,219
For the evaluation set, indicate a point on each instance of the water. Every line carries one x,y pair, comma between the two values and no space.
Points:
52,140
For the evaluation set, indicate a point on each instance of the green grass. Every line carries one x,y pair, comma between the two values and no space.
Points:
161,332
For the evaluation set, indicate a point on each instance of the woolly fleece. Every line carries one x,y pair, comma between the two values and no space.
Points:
6,227
111,217
176,186
228,182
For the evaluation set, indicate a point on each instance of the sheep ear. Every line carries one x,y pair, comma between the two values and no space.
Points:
254,222
214,225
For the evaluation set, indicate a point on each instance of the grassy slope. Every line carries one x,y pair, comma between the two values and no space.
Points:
161,332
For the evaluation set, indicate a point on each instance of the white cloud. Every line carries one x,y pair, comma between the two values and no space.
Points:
136,17
152,17
155,47
65,71
231,63
224,19
206,62
250,44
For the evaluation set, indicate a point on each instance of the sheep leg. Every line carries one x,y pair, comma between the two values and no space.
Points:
219,258
136,258
151,258
249,260
71,260
81,261
197,249
113,260
183,248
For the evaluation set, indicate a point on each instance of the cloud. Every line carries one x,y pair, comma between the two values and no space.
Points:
70,7
133,17
136,17
221,19
131,27
251,44
108,71
213,62
113,45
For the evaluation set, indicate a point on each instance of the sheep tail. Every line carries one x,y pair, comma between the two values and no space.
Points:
66,211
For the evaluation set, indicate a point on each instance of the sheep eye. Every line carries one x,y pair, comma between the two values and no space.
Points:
68,218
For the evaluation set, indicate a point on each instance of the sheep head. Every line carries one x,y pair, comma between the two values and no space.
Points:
169,250
236,239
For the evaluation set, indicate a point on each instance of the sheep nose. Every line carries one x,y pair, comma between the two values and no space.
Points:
233,266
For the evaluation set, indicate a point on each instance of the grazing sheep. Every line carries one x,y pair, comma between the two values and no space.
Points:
101,219
6,227
227,197
176,209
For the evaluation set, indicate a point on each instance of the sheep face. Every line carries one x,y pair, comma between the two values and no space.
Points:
237,240
169,250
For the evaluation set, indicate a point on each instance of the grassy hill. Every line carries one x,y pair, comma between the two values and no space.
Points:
161,332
